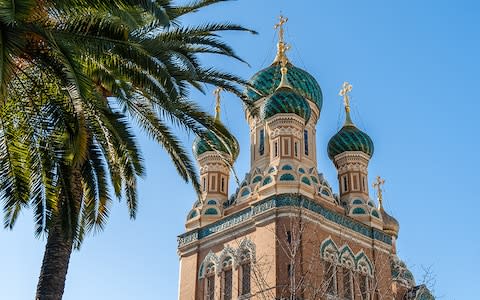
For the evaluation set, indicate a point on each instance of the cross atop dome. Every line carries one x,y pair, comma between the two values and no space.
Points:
282,47
344,92
217,92
378,186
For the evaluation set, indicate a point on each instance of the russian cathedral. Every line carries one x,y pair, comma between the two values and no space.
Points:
285,233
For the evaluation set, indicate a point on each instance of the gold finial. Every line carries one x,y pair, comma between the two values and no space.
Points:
283,69
378,185
281,46
344,92
346,89
217,92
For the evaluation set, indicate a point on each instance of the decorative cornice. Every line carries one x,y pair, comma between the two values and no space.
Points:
286,131
276,201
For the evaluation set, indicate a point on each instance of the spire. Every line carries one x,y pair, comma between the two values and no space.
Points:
281,46
217,92
378,185
344,92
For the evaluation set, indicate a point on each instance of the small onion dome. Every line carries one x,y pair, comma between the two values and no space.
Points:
390,224
349,138
266,81
201,146
285,101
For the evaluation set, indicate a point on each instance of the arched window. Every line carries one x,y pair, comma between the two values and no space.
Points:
305,139
209,282
363,283
347,284
330,278
227,279
261,149
245,273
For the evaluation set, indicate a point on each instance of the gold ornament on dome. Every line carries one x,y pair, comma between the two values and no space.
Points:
217,92
282,47
378,186
344,92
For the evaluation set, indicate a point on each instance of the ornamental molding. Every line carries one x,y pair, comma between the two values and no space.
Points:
286,120
282,201
351,156
360,167
215,167
286,131
344,256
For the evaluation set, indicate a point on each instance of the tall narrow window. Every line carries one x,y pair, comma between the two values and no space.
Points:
204,184
355,182
227,285
330,278
295,149
213,182
246,270
345,186
289,237
305,138
347,284
364,189
227,279
286,147
222,186
245,273
261,149
275,145
364,286
209,291
289,270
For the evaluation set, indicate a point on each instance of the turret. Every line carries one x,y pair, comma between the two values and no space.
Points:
289,100
390,224
350,149
215,162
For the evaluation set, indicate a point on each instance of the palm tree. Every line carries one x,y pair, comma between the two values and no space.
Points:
74,74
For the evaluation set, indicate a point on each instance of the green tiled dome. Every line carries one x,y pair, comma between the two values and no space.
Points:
201,146
267,80
350,138
286,100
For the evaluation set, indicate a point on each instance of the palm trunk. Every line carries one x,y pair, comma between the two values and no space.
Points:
51,282
55,265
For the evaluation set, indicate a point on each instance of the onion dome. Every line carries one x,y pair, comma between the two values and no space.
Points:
201,146
285,100
266,81
390,224
401,273
349,138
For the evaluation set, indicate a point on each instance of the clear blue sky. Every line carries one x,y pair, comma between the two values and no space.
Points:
414,66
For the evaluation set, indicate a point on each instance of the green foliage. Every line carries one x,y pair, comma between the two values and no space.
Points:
73,76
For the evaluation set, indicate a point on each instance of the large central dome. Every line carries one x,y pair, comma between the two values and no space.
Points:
266,81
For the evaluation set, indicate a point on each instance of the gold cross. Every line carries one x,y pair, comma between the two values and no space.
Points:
378,185
279,25
346,89
217,92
